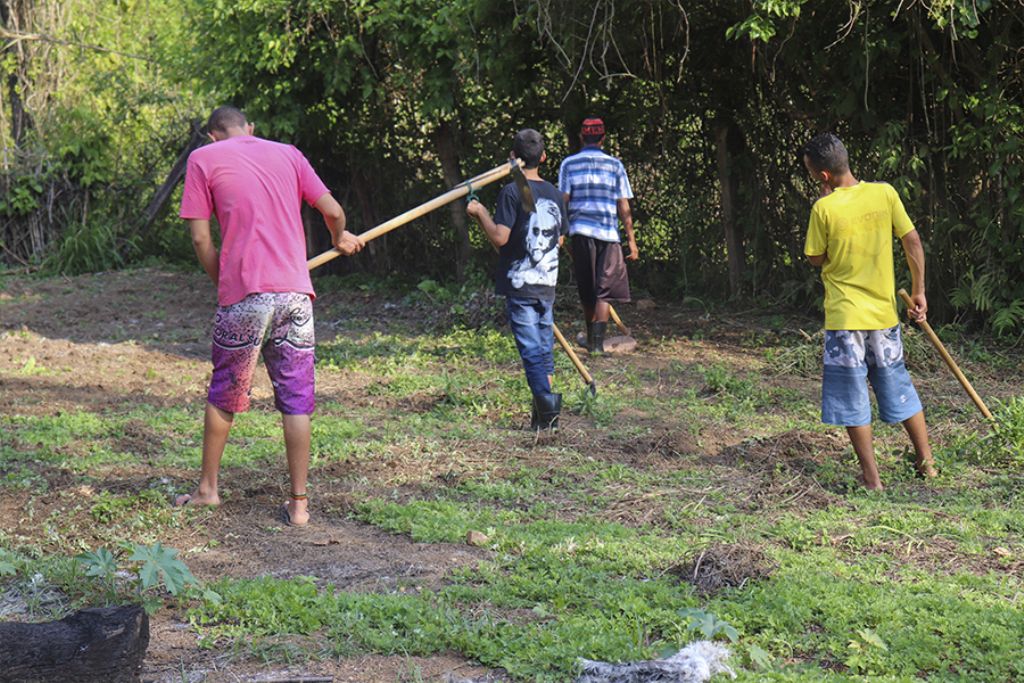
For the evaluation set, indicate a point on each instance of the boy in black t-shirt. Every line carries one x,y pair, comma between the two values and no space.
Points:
527,244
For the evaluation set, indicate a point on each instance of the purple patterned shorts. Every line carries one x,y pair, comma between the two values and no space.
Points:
280,324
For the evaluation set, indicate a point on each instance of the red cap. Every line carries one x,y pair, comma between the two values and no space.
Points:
593,127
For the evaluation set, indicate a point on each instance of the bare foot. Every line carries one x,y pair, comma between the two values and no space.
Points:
196,499
296,512
875,485
926,469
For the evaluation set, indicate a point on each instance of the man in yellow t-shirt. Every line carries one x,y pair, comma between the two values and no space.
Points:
850,237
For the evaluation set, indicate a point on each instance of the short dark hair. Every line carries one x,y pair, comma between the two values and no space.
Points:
826,152
528,145
225,117
592,130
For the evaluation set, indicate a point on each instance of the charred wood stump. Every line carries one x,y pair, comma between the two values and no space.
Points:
103,645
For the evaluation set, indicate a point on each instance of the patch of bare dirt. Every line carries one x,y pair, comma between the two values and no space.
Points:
253,541
111,340
247,536
796,449
779,471
934,554
40,375
156,307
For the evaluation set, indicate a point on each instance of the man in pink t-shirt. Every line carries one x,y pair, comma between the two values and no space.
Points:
256,188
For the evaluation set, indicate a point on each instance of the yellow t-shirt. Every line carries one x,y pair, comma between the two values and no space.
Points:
854,227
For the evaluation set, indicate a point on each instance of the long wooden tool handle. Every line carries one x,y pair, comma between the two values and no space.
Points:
611,309
618,321
934,339
460,190
580,367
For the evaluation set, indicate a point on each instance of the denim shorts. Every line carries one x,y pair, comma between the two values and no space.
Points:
532,323
877,355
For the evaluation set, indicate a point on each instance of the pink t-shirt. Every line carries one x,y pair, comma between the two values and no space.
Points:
256,188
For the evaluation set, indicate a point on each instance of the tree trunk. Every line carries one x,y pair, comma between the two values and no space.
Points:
91,646
21,120
727,187
447,152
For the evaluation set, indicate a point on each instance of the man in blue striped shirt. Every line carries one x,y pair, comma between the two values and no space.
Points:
597,194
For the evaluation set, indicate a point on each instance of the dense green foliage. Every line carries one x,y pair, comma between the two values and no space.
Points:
102,121
396,99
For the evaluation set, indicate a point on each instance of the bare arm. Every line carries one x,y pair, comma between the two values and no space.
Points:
626,216
818,260
202,242
334,217
915,259
497,234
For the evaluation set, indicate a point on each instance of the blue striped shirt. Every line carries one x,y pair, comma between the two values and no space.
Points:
594,181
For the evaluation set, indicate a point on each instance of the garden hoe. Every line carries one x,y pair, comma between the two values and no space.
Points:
934,339
461,190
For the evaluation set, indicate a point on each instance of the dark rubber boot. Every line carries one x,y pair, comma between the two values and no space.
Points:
597,337
546,409
590,334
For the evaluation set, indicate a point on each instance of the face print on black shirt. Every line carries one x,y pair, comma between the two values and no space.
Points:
540,264
528,262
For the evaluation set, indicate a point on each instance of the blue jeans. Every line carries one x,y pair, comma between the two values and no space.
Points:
532,321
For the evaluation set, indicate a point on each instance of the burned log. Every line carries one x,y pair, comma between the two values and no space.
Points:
101,645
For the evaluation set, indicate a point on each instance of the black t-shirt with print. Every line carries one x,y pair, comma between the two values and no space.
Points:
528,262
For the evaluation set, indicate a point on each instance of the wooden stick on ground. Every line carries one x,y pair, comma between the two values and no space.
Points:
934,339
460,190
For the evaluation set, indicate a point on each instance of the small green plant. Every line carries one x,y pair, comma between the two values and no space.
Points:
435,291
867,653
31,367
157,567
7,566
708,625
1003,443
718,379
161,565
759,657
588,402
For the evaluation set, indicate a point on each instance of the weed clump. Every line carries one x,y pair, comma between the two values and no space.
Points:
724,565
1002,445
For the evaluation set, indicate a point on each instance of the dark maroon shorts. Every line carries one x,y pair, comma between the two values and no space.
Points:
600,270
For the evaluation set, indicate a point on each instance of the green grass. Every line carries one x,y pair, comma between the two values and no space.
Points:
559,590
586,532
